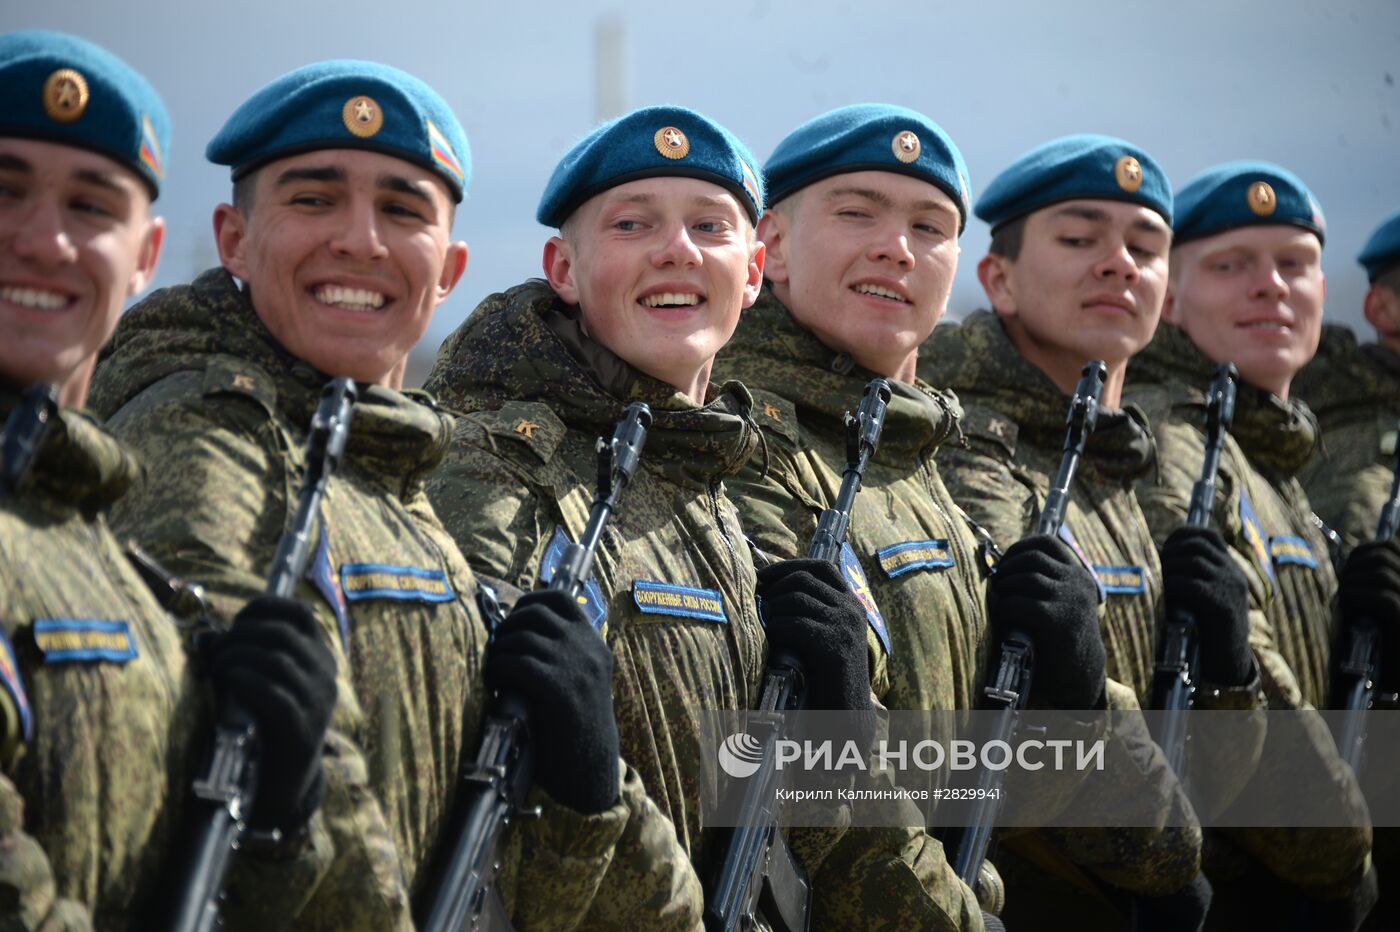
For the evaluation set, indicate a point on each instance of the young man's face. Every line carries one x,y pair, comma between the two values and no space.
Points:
865,261
347,253
1252,296
660,269
1088,284
76,240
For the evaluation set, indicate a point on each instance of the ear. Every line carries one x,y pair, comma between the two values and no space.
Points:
994,272
149,257
1382,309
772,229
558,264
1169,305
453,266
754,284
231,237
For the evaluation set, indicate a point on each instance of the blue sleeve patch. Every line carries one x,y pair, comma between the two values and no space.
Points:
321,572
73,640
1121,580
659,598
591,598
898,559
1254,536
14,685
1292,550
364,581
1067,536
855,579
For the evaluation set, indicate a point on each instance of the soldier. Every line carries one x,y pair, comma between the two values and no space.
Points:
867,203
1355,393
1246,287
99,706
345,175
1077,271
655,258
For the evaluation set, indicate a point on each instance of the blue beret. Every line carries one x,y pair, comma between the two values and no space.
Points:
1239,194
346,105
648,143
1074,167
1382,250
869,137
65,89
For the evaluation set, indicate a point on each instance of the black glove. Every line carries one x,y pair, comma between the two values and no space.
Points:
1182,911
547,654
1042,590
273,665
811,614
1369,590
1200,578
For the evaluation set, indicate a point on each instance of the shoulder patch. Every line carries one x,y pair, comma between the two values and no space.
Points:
523,424
1254,536
898,559
74,640
230,375
13,685
991,425
776,415
661,598
1292,550
860,586
591,598
361,582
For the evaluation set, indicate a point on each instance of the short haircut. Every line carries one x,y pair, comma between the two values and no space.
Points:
1007,239
1389,279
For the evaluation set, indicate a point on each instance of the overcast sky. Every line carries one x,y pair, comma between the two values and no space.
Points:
1310,84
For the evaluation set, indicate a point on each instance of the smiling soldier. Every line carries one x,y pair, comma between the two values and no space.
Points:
1247,287
345,179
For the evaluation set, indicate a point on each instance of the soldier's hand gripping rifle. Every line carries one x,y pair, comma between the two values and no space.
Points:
23,433
758,871
502,773
1361,643
223,794
1174,680
1010,687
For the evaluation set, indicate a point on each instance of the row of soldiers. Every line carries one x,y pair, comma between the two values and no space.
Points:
748,307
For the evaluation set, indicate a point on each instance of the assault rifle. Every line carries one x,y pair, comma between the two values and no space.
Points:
758,871
1174,680
222,795
464,896
1010,687
23,433
1360,665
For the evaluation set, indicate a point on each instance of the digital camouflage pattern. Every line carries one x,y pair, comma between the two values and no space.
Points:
1169,379
522,468
1355,393
917,551
103,775
218,412
1014,428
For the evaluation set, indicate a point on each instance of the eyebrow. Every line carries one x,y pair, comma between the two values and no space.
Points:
293,175
1101,216
402,185
14,163
100,179
867,193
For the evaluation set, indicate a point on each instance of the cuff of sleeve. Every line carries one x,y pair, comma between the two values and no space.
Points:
571,834
1246,697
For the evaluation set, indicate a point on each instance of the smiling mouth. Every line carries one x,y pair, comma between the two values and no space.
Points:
671,299
350,299
879,291
37,299
1269,326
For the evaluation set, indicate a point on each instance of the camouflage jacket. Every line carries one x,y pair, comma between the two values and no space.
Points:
95,673
1168,379
673,583
1014,425
1355,393
218,413
913,552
